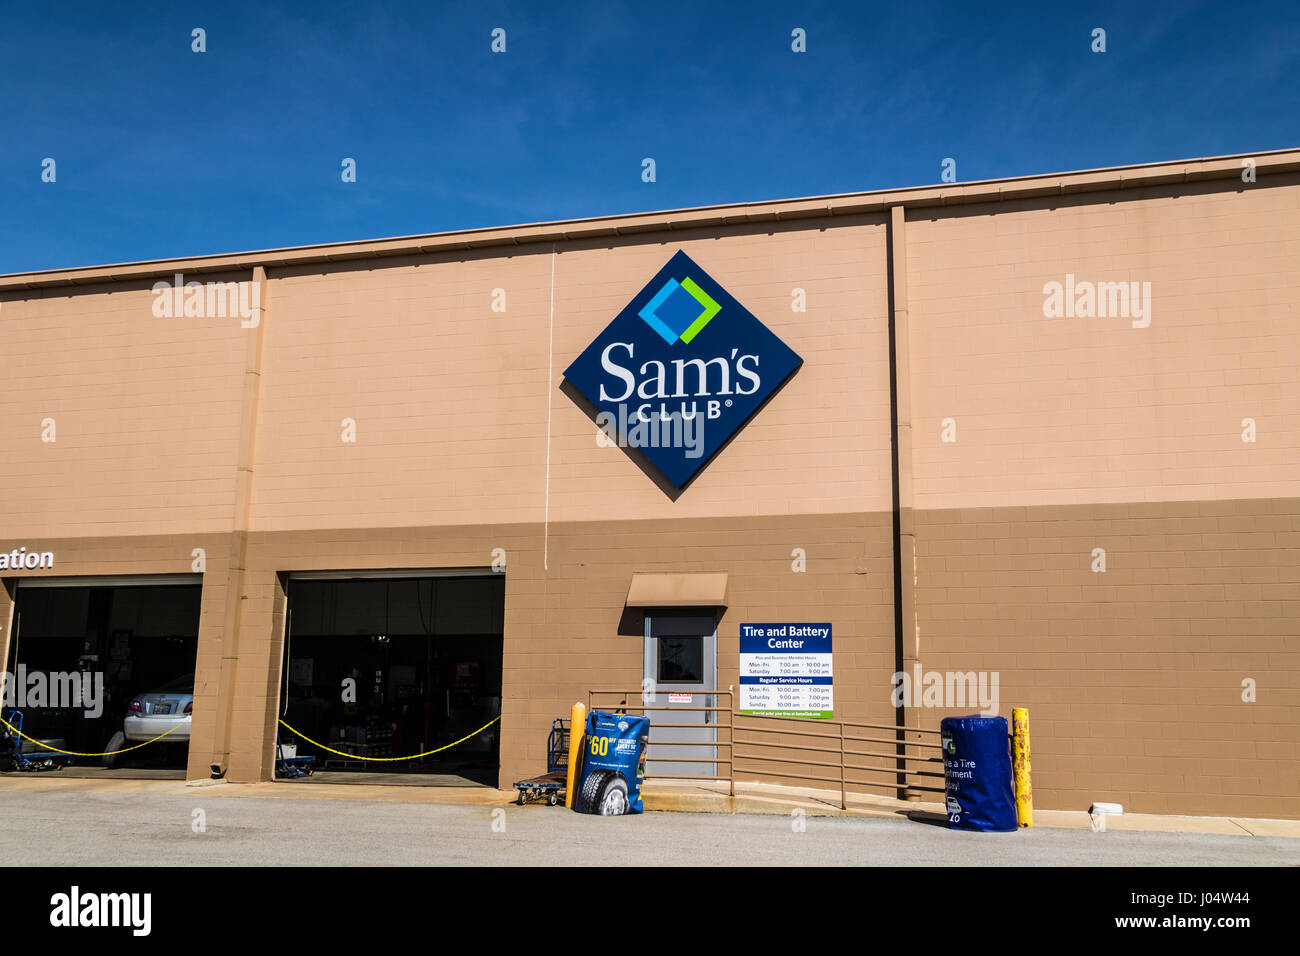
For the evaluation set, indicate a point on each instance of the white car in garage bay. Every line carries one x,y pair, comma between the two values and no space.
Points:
168,708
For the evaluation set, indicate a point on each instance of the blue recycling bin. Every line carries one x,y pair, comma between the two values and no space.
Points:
977,773
613,764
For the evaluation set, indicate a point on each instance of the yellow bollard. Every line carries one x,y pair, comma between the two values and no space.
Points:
1020,766
577,726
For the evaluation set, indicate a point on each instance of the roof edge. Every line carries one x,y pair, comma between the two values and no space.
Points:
811,207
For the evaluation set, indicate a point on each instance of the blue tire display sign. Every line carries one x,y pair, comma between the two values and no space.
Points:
613,764
977,773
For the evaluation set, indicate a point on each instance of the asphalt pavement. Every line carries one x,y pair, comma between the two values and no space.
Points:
203,827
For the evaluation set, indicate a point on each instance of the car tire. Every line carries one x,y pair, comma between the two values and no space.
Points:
613,797
116,742
591,790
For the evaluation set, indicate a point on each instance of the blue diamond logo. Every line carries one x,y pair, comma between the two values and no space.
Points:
674,392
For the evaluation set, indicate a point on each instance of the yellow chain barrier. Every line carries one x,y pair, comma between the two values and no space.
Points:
110,753
315,743
73,753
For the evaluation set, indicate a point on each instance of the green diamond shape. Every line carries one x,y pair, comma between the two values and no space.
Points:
711,309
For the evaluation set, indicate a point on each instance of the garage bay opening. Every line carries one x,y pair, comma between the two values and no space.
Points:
101,665
394,666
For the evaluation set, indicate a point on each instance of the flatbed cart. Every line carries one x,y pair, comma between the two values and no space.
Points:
289,768
550,785
31,760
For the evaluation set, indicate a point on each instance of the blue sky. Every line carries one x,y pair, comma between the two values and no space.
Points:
164,152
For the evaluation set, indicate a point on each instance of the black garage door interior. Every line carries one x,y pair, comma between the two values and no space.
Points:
130,639
393,667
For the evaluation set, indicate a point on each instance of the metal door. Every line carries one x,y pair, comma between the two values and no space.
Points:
681,661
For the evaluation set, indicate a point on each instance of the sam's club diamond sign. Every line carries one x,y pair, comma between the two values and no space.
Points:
785,670
680,370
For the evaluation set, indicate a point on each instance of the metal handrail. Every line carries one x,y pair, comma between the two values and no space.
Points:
626,705
909,757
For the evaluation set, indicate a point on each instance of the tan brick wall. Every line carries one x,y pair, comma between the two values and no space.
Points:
451,399
1084,410
563,627
146,414
1133,678
1083,433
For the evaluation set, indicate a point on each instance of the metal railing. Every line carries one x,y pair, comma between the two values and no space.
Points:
906,761
632,702
821,752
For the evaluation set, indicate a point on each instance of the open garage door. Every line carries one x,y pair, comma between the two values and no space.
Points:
103,664
383,667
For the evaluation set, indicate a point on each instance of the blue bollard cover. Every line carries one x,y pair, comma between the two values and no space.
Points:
977,773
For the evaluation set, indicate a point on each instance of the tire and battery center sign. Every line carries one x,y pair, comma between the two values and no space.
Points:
786,670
